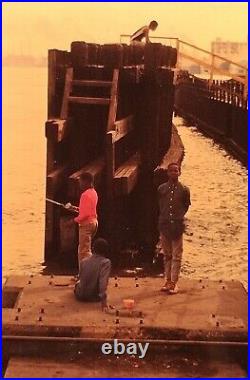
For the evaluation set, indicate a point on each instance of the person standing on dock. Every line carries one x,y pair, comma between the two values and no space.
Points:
87,218
94,275
143,33
174,201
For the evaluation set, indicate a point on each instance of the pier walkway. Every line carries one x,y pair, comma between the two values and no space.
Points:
203,310
42,318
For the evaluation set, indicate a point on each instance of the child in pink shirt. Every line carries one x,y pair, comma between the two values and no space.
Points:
87,218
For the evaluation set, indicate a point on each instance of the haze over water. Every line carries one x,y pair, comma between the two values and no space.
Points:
215,245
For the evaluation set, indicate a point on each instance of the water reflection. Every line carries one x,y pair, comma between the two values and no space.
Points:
216,237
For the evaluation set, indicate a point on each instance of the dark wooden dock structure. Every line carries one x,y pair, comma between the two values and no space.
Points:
218,107
109,113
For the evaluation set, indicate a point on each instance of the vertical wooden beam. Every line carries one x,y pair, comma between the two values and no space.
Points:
92,54
113,101
113,55
166,110
49,208
211,70
245,93
110,169
152,56
110,163
66,94
51,147
79,54
52,55
178,53
58,61
49,227
51,151
150,119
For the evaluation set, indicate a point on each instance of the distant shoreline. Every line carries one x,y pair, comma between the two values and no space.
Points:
14,65
24,61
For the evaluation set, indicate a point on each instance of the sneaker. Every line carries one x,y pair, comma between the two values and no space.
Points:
174,288
167,286
74,279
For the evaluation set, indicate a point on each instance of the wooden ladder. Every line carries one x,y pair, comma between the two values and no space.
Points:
111,101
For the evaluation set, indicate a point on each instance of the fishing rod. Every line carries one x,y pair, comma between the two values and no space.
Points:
67,206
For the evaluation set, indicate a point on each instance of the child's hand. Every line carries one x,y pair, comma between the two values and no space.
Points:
68,206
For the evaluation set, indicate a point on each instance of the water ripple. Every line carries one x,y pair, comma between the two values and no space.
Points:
217,220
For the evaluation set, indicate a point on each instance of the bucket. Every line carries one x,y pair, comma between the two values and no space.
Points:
128,303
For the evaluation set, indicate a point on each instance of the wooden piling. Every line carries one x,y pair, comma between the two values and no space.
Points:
110,110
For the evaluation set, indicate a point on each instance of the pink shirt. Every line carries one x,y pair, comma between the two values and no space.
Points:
87,206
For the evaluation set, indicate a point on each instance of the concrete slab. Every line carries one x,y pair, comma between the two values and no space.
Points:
166,366
207,310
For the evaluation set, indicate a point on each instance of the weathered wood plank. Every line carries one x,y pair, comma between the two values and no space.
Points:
110,160
79,54
175,153
149,119
58,62
49,225
112,55
109,190
85,100
152,56
67,91
57,129
125,177
54,182
52,54
123,127
51,149
113,101
92,83
55,179
95,167
68,234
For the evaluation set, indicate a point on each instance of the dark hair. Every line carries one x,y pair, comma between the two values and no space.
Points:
174,164
153,23
100,247
88,177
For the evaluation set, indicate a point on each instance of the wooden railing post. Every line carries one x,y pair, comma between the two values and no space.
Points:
245,93
211,70
178,51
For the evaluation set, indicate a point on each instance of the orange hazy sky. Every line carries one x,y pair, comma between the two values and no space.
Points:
33,28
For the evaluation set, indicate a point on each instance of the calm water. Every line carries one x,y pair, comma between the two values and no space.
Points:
24,150
216,244
216,240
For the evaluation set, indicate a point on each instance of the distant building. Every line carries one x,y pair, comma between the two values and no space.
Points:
234,51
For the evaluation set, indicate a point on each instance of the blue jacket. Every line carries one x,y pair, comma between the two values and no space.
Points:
93,279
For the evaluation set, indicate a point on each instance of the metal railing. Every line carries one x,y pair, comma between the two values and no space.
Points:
213,63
